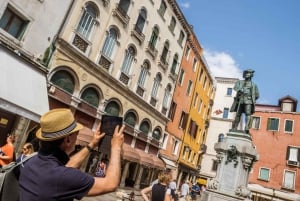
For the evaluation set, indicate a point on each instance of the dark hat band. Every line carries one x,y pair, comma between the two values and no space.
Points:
60,133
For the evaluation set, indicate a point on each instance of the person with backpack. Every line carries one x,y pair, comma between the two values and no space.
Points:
160,191
52,175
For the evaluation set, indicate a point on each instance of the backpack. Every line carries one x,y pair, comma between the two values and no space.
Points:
9,180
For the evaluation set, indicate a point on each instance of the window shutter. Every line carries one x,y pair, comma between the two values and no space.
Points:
298,155
288,153
185,119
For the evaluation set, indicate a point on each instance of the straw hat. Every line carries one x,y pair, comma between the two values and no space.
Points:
57,124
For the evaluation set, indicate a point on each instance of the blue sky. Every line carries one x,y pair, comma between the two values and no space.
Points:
263,35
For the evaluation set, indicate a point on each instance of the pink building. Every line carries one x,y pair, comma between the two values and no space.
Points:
276,135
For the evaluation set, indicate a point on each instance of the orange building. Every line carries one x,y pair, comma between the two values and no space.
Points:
276,133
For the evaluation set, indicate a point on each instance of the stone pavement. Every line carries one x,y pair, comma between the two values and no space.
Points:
117,196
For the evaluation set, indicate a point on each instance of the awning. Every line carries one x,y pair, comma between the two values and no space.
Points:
157,162
23,86
146,159
169,163
84,137
130,153
260,191
202,181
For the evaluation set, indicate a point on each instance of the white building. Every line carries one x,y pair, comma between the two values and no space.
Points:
220,123
26,30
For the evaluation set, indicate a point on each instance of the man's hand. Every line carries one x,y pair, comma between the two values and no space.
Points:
96,137
118,138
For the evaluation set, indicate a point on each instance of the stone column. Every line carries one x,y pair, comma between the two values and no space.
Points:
124,174
139,176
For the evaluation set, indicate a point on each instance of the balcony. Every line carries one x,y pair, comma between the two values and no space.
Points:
124,78
80,42
163,63
140,91
105,62
153,101
151,50
137,33
121,15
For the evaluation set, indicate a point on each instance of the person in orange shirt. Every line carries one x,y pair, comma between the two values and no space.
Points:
7,151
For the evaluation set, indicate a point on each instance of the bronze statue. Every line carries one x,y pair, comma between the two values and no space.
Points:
244,102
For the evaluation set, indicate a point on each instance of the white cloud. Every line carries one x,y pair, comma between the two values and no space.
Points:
185,5
221,64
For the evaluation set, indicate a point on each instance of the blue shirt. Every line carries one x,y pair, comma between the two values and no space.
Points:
46,178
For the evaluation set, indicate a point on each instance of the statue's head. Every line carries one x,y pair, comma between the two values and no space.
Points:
250,72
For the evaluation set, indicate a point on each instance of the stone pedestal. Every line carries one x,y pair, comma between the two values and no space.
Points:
236,155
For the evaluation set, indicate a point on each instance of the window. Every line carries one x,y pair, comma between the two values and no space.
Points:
229,92
289,179
288,126
154,37
181,37
112,108
204,82
141,21
264,174
165,141
174,64
200,105
201,74
87,21
193,128
189,88
172,110
90,95
129,57
293,155
124,6
162,9
175,146
181,76
164,53
143,74
225,113
195,100
195,65
156,134
145,127
273,124
110,42
183,120
172,24
287,107
214,165
130,119
167,96
64,80
187,51
13,23
255,122
156,85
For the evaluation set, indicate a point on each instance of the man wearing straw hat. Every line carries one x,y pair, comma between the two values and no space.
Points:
52,175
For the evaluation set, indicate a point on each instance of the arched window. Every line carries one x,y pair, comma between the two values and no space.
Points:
141,21
162,9
165,51
156,85
64,80
143,74
156,134
112,108
87,21
153,39
130,119
172,24
91,96
110,42
129,57
123,6
145,127
167,96
174,64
